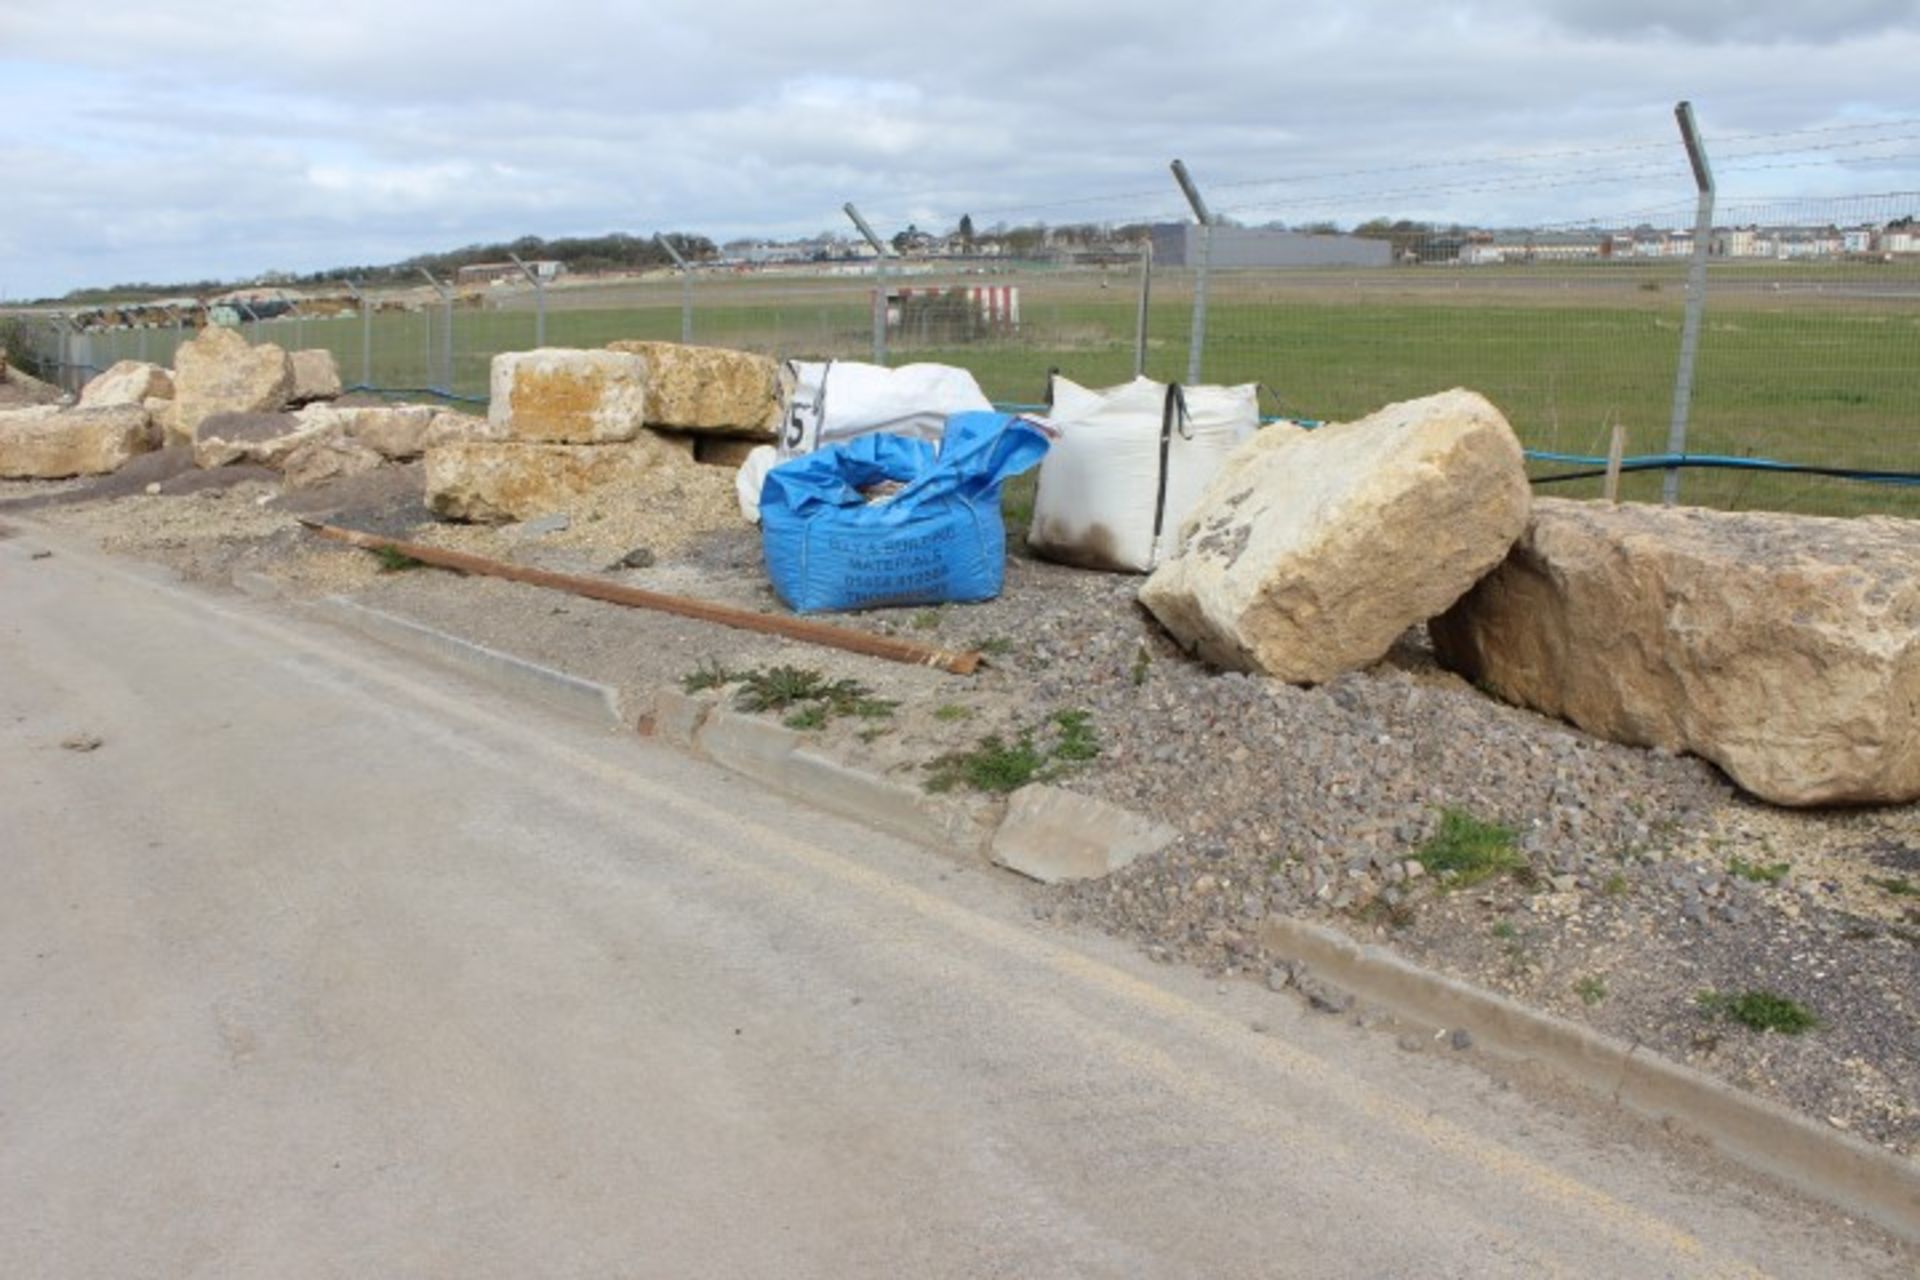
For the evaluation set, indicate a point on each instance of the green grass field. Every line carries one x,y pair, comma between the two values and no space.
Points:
1823,368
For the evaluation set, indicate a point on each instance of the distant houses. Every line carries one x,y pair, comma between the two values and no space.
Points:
1778,243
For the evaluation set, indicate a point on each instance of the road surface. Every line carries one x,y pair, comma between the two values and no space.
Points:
323,964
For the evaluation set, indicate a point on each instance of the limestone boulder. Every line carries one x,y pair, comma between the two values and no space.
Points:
50,443
1784,648
316,376
129,382
556,396
218,372
709,389
1311,552
328,456
396,431
497,481
449,427
265,439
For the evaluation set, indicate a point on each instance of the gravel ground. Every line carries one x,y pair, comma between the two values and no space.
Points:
1644,879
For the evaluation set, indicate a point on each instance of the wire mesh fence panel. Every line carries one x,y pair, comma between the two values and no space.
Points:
1811,354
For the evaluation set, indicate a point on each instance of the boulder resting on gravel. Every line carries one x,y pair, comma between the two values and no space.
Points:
316,376
51,443
327,456
497,481
218,372
264,439
129,382
1783,648
559,396
1312,552
709,389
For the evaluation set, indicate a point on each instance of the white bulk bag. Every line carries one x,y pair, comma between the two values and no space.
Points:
1128,464
837,400
751,478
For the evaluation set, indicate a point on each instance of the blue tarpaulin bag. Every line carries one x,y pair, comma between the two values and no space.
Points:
940,539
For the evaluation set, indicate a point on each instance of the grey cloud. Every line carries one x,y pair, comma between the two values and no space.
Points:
1737,21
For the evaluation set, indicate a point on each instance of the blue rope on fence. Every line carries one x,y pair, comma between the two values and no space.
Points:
440,393
1642,462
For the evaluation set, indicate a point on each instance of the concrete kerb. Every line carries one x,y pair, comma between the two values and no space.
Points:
583,699
1834,1167
778,757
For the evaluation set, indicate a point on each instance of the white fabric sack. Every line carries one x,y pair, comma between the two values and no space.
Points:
830,402
751,478
1128,464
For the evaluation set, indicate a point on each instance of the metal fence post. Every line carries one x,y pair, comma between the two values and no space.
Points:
686,286
539,301
1140,313
1696,298
1197,340
881,251
446,337
366,332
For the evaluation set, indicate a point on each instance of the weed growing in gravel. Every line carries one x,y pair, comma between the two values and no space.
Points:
812,699
1759,1010
1077,741
1898,886
392,561
1040,754
994,765
710,674
1615,885
1758,872
926,620
994,646
1465,850
951,711
1142,660
1591,989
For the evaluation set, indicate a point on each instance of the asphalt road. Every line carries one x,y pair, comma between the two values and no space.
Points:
322,964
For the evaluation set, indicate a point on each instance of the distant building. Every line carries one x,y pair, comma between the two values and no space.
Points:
544,270
1177,244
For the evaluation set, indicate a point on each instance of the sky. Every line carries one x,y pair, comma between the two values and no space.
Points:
160,141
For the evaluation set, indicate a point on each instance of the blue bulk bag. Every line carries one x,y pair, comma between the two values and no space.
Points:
939,539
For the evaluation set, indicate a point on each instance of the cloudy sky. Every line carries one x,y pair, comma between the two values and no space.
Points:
163,141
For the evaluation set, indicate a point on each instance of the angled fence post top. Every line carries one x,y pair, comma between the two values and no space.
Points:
1696,298
1197,340
882,251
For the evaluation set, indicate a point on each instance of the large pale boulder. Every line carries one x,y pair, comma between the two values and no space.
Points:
129,382
1311,552
50,443
557,396
709,389
397,431
218,372
449,427
1785,649
261,438
493,481
328,456
316,376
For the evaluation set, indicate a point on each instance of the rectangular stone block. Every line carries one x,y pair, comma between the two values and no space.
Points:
497,481
709,389
558,396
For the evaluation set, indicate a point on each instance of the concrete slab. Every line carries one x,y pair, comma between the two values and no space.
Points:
1054,835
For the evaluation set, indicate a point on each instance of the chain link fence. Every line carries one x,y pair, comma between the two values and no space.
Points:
1805,394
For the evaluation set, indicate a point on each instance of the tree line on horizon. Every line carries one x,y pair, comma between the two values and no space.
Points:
620,251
